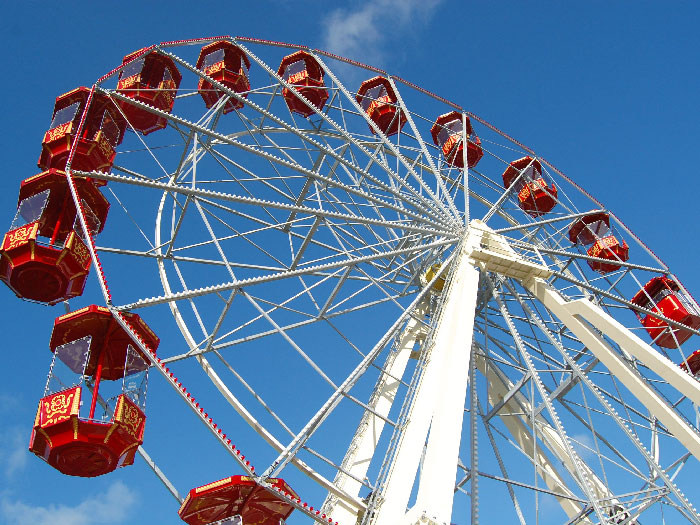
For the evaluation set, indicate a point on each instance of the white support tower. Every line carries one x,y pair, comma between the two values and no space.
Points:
433,427
369,431
438,407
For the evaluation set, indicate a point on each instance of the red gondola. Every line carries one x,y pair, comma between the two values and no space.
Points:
537,195
227,64
44,256
301,70
237,496
692,364
447,135
149,78
91,343
663,295
102,132
379,101
594,231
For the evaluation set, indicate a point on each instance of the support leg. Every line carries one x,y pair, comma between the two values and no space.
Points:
439,397
571,314
364,442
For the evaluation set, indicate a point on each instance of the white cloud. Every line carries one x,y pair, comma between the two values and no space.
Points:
363,34
14,453
14,457
8,402
584,446
112,506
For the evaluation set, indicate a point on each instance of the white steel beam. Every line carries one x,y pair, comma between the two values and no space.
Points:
429,159
574,315
215,196
369,431
580,476
520,428
320,416
454,340
656,469
655,360
439,398
189,294
493,253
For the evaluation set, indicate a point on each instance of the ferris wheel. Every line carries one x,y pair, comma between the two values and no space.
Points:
404,314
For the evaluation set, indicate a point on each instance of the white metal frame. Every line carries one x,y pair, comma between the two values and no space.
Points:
374,211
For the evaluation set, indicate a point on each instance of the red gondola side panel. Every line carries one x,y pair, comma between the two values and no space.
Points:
91,343
447,132
151,79
378,100
536,195
692,364
95,146
226,64
43,273
236,495
303,71
595,232
59,407
663,295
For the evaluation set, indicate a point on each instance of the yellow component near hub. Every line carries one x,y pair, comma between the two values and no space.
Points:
439,284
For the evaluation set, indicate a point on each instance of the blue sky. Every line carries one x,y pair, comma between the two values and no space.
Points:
606,91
